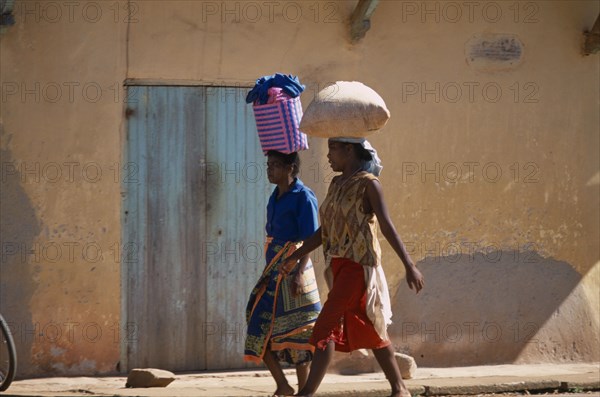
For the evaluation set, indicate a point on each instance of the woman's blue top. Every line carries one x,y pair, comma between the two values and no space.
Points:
294,215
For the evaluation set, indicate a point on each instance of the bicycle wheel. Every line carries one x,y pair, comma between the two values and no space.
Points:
8,356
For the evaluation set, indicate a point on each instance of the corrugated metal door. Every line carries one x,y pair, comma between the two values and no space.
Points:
194,216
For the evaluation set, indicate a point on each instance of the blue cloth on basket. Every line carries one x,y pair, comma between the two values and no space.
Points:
288,83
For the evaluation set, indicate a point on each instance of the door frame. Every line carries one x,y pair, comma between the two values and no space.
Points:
130,85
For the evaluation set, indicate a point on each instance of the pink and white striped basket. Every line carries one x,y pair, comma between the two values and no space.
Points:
278,122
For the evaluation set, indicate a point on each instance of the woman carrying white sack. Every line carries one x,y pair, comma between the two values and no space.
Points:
357,311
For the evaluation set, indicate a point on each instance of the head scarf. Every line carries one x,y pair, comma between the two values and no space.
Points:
374,165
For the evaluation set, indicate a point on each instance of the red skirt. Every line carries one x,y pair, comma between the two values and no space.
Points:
343,318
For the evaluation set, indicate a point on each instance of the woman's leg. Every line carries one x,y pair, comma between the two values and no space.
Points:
283,387
318,368
387,362
302,374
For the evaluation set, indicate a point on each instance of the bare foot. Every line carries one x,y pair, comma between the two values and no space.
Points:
284,391
401,393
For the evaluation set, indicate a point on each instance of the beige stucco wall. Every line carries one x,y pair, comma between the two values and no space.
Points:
534,297
61,202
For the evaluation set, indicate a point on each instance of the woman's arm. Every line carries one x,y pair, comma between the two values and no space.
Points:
302,263
374,196
309,245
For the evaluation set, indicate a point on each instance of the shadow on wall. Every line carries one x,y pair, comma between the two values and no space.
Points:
19,228
487,309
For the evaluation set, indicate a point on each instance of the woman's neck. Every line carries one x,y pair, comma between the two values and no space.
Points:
285,186
351,168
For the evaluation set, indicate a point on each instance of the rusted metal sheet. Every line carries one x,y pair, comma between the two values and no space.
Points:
237,192
164,219
194,212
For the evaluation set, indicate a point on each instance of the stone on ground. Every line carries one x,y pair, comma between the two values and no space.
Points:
407,365
149,377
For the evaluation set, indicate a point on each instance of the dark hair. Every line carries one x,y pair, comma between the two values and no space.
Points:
361,152
288,159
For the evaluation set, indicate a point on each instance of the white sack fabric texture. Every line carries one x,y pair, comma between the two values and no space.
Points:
346,108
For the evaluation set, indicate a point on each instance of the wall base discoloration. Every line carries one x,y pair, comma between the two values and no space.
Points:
20,227
487,308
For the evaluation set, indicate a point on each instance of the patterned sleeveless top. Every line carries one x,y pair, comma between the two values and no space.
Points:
348,232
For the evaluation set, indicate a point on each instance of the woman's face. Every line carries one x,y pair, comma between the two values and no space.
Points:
277,170
338,155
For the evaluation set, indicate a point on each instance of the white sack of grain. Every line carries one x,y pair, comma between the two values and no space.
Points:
345,109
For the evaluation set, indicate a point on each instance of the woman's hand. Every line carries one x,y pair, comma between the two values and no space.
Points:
298,283
288,265
414,278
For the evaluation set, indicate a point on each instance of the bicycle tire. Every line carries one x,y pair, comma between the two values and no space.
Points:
12,355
